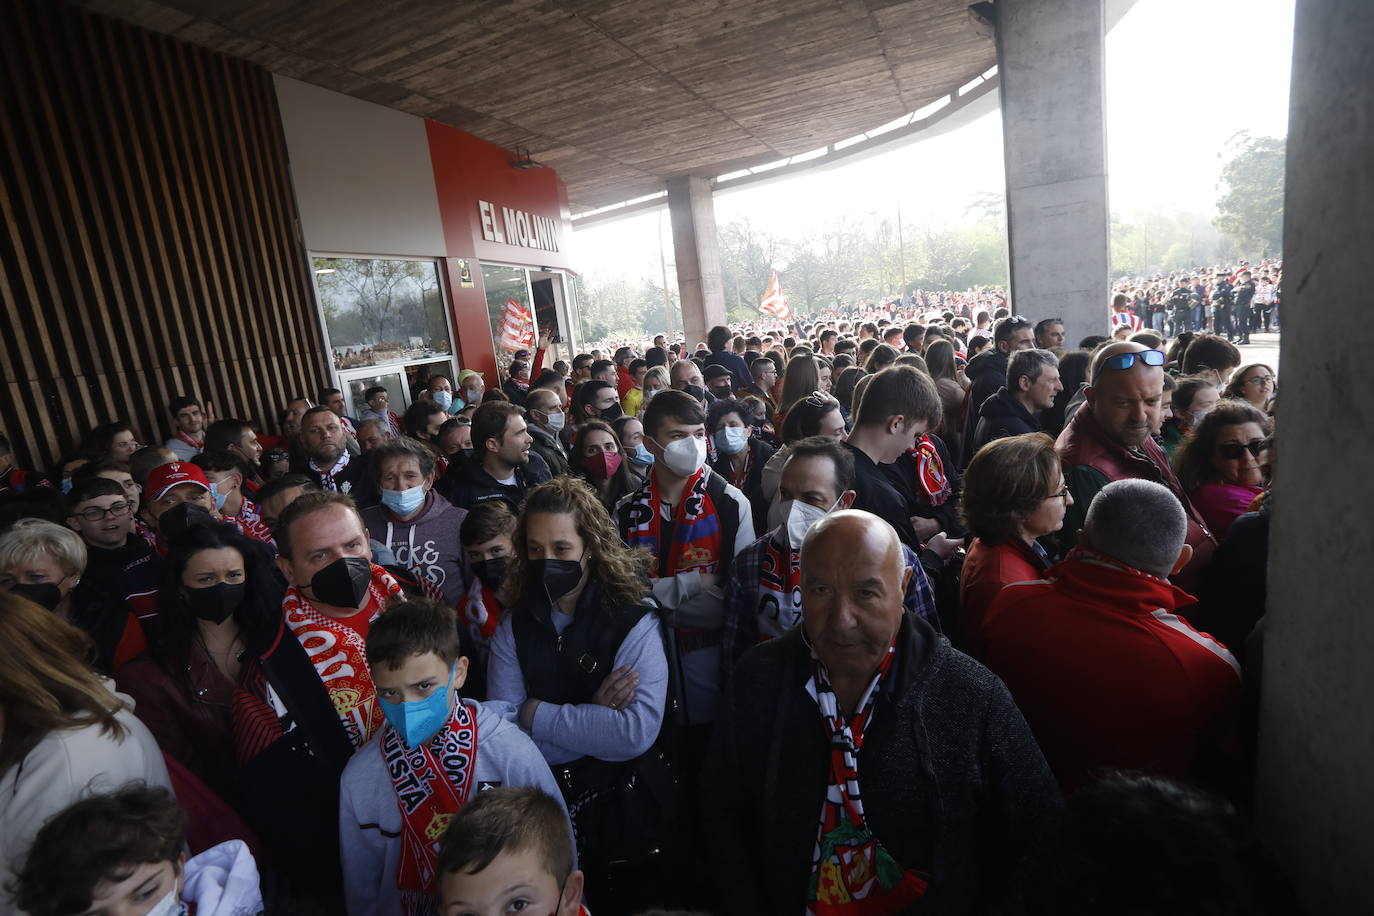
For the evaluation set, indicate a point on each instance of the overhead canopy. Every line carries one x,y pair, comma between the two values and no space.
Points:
616,95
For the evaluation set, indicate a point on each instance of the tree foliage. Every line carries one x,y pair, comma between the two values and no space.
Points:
1250,210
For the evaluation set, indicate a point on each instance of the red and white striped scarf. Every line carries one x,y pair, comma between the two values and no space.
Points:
432,783
851,872
339,654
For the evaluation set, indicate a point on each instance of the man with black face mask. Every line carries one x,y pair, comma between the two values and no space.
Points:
334,594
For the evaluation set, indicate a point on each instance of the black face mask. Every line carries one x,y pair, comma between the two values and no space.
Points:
217,602
466,452
612,413
696,391
342,583
43,594
558,576
490,571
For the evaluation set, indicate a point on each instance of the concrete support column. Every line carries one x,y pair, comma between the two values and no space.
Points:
693,215
1050,58
1315,798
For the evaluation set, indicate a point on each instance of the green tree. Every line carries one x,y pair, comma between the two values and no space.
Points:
1250,210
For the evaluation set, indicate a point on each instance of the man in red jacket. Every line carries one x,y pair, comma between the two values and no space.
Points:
1105,672
1109,439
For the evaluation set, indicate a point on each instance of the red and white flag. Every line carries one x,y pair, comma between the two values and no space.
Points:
774,302
517,327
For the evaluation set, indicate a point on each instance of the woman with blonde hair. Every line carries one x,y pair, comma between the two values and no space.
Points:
43,562
582,658
655,380
63,733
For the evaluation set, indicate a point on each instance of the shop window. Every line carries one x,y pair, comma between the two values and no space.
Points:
380,311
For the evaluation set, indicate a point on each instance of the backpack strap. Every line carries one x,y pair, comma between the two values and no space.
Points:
727,510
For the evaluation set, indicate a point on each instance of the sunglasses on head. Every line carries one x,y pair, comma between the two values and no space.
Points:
1127,360
1234,451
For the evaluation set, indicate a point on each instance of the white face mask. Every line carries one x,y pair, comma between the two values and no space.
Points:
169,905
795,518
684,457
556,421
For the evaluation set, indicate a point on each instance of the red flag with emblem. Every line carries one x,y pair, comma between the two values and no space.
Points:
774,302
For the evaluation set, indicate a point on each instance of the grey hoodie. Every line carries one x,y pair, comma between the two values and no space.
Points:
370,818
428,544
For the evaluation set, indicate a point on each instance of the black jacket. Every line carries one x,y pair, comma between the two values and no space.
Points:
548,447
953,783
472,484
1000,416
356,480
988,372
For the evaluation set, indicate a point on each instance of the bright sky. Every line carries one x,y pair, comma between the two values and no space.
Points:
1183,76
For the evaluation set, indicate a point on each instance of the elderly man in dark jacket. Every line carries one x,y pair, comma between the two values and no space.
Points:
950,785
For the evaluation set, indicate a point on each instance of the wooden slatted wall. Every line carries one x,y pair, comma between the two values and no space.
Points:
150,244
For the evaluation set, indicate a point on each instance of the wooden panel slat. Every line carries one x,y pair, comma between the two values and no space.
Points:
150,244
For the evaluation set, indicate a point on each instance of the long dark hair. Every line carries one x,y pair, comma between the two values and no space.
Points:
1193,461
257,615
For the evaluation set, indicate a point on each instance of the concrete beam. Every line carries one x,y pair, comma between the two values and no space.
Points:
1050,61
1315,796
695,251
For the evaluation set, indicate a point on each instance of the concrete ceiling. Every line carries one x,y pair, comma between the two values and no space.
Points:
616,95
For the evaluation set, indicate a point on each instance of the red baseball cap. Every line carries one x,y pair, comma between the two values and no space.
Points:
165,476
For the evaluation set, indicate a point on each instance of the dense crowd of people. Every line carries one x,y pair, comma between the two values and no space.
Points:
915,607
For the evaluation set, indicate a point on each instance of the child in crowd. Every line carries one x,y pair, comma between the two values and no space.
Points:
122,853
509,852
436,752
486,535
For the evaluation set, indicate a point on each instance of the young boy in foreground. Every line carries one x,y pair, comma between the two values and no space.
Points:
507,851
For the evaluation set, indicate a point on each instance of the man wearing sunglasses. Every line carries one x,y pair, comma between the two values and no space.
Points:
1109,439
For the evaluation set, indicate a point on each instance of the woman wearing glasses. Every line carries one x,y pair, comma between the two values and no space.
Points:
1218,464
1014,494
1253,383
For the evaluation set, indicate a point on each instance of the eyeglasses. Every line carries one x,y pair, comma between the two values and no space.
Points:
1127,360
1234,451
819,399
95,513
1062,494
1259,380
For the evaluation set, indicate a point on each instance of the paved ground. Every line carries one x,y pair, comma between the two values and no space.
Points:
1263,348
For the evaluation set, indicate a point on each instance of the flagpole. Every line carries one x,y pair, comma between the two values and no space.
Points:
663,265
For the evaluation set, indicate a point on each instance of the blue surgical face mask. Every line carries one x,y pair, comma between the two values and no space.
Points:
442,398
642,456
730,440
220,498
404,502
66,484
420,720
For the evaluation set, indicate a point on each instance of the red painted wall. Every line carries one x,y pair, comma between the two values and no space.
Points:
468,170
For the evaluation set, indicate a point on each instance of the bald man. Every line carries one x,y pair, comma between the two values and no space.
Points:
950,785
1109,439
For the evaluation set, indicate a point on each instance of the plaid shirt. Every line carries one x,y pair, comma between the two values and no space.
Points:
742,600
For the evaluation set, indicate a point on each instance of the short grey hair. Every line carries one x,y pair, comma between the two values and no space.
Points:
1030,363
1140,523
30,539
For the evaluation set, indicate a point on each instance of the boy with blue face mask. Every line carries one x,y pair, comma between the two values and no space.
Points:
436,751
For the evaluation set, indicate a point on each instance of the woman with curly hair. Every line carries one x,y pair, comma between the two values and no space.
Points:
1218,463
581,656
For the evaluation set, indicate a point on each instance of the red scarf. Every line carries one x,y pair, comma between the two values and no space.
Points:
339,654
250,522
394,422
481,614
696,526
851,872
432,782
779,591
930,472
197,444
